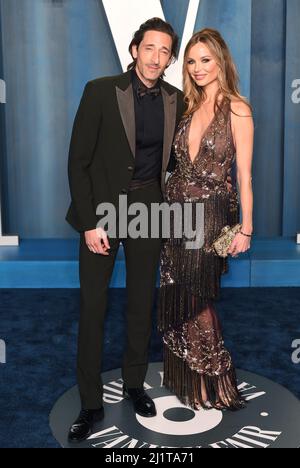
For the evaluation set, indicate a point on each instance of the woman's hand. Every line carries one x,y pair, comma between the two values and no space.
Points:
240,244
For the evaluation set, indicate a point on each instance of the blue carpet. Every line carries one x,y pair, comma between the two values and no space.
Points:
40,331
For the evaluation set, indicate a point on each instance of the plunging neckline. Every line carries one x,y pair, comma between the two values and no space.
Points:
203,134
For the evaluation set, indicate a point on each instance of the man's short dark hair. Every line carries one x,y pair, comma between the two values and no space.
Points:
154,24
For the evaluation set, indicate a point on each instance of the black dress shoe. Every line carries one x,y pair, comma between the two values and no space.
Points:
142,403
83,426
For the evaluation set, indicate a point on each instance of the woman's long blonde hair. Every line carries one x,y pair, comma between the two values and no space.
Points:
228,78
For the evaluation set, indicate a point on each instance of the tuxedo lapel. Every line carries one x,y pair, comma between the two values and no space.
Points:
170,108
126,107
124,91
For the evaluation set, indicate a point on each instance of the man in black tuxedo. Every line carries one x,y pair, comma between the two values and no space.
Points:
121,144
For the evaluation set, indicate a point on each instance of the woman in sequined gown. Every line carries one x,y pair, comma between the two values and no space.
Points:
197,366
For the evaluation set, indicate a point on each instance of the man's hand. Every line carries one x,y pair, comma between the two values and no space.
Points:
229,183
97,241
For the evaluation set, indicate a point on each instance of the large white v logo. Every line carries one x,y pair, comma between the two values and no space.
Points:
125,17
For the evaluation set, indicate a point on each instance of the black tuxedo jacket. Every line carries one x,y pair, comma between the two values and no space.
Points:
102,148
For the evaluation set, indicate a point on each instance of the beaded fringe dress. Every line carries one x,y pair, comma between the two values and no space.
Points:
197,366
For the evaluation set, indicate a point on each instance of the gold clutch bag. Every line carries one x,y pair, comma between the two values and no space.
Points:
222,243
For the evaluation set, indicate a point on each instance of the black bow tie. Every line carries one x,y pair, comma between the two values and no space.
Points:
144,91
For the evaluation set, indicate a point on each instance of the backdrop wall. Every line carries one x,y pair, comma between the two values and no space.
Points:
51,48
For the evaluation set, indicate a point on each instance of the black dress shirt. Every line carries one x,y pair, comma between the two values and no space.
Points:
149,120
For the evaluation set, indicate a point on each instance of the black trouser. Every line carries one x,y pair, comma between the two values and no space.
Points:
142,261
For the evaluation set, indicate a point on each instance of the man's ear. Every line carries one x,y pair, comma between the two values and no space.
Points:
170,62
134,51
